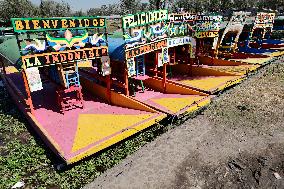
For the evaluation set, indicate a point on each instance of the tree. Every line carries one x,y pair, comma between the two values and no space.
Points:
94,12
226,6
16,9
79,13
129,6
155,4
144,7
50,8
184,4
104,9
214,6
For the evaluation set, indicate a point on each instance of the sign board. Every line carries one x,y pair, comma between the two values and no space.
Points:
265,19
106,69
209,18
144,18
206,34
131,67
172,42
160,60
155,27
143,49
207,26
45,24
34,79
165,55
238,18
192,50
184,17
44,59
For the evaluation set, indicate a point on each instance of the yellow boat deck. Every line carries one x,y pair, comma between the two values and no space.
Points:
204,78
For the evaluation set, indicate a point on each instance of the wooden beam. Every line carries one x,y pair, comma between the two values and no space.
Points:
2,65
164,76
156,64
29,100
126,88
108,82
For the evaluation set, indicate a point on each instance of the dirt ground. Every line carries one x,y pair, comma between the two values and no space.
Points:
237,142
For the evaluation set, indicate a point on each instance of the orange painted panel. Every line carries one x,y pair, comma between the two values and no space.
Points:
218,62
124,101
116,99
201,71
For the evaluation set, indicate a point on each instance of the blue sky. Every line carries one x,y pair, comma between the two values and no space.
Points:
85,4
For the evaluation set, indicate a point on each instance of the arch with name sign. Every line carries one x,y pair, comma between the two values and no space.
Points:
53,47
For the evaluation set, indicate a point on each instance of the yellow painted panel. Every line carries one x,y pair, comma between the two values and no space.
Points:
217,62
204,102
125,101
231,82
207,71
177,104
11,69
176,89
277,53
208,83
240,70
117,138
254,60
85,64
95,127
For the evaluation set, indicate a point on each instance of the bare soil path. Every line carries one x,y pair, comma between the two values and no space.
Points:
237,142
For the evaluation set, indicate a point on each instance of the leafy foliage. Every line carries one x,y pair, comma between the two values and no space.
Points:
50,8
16,8
129,6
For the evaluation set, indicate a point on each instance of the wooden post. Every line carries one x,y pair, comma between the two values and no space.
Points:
126,81
174,55
191,60
164,76
108,81
2,65
190,51
30,103
156,64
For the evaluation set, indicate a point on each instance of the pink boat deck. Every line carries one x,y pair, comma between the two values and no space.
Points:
169,103
79,131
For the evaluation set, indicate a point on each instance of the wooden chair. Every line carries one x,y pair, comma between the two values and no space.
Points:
140,75
70,95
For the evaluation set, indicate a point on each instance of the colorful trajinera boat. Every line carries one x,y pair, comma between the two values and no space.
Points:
62,84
